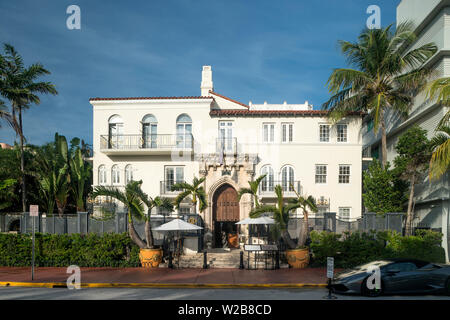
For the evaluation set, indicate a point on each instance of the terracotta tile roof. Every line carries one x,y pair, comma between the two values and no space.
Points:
150,98
229,99
250,113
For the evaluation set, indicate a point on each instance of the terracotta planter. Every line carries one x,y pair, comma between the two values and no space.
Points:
150,258
297,258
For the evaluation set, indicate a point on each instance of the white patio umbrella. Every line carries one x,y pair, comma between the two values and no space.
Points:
177,225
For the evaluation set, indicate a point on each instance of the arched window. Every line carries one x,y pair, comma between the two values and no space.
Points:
267,184
115,174
287,178
149,131
115,132
102,175
128,174
184,131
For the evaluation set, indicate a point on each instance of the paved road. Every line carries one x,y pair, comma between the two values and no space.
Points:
7,293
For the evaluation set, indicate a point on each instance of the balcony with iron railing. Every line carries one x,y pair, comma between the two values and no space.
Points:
226,146
267,188
152,144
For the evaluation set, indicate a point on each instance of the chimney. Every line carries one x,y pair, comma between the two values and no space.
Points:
207,83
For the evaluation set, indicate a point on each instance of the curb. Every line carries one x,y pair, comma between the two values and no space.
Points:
166,285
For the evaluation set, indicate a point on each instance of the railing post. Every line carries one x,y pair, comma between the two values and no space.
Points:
277,260
205,263
241,260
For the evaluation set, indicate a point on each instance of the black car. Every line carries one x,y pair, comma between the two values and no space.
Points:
397,276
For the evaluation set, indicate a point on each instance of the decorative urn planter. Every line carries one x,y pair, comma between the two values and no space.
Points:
150,258
297,258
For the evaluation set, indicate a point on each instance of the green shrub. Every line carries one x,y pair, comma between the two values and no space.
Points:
352,249
91,250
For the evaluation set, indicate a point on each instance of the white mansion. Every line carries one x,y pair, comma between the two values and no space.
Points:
164,140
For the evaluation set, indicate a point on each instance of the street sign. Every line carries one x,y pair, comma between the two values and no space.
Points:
330,267
34,210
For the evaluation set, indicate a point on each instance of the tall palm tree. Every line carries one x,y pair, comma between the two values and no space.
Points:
80,172
280,212
18,84
131,198
305,203
253,189
440,143
385,76
7,117
194,190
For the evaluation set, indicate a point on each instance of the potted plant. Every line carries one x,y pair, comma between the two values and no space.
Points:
280,212
299,257
133,198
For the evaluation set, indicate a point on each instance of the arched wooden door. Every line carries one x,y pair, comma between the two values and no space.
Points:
225,216
226,204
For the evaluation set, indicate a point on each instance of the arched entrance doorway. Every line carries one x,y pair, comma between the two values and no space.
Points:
225,216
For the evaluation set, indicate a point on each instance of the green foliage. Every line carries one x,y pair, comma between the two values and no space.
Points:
382,191
353,249
91,250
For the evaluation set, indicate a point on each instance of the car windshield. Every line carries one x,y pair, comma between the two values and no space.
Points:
373,264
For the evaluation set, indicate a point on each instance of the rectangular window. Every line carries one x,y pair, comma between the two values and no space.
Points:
342,133
287,132
344,213
269,132
321,173
324,133
344,174
173,175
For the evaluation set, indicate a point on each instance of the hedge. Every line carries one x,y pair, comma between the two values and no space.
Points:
352,249
53,250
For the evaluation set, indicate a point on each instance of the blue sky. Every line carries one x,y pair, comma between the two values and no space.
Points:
259,50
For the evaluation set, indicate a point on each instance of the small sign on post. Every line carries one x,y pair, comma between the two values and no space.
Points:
330,276
34,212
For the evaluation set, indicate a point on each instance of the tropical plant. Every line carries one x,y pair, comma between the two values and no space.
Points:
18,85
194,190
413,149
440,143
159,203
280,212
252,190
52,173
382,190
80,172
132,199
306,203
386,76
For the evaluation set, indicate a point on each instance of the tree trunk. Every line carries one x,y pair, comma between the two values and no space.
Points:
22,164
305,229
61,207
383,140
287,238
133,234
148,234
408,227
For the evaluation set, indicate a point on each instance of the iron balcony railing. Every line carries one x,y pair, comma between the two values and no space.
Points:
267,187
166,187
226,146
154,141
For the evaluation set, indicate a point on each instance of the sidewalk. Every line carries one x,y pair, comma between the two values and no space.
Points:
162,277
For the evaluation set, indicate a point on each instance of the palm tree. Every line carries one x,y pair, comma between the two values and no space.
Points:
305,203
253,189
52,173
386,76
280,213
131,198
18,85
440,143
6,116
80,172
151,203
195,190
